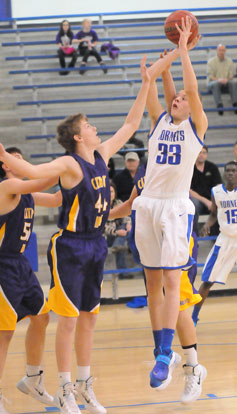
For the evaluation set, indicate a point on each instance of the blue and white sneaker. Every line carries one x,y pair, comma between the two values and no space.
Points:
161,375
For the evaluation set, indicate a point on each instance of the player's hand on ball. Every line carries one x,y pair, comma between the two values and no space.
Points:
184,32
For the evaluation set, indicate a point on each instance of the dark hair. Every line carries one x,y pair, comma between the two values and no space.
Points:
230,163
111,168
69,32
10,150
235,143
112,184
67,129
205,147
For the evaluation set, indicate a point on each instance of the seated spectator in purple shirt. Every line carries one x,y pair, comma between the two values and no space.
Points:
87,40
64,41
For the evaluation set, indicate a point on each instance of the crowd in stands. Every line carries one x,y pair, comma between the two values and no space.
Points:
85,41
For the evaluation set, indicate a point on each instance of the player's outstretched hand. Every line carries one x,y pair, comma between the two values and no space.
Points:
2,152
144,72
184,31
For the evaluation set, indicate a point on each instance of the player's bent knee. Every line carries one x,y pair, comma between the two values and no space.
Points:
6,336
67,323
40,320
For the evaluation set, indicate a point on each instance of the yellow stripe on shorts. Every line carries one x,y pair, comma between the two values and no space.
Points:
8,315
45,308
58,301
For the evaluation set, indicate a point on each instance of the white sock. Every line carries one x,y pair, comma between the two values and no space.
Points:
83,373
191,356
64,378
32,370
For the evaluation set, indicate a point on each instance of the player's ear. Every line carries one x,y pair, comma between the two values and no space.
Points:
78,138
5,168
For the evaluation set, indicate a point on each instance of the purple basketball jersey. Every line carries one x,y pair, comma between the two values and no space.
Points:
85,208
16,226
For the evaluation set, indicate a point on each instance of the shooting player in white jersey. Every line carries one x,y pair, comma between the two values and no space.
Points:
164,212
223,255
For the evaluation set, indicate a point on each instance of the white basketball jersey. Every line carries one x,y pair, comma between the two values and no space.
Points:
173,150
226,202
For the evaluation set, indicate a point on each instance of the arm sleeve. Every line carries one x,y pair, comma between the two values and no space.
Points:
77,35
58,38
95,36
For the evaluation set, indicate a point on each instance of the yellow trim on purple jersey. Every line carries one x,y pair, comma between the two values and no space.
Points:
73,215
2,232
58,300
8,315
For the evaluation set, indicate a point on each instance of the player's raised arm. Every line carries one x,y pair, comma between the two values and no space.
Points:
168,85
108,148
14,186
190,81
154,106
161,64
51,169
48,200
124,209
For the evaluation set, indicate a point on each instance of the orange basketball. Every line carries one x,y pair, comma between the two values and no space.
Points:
170,29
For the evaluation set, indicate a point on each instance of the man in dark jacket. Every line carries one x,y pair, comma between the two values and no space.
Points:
124,179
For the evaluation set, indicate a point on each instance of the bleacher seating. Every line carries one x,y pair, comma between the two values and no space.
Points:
39,110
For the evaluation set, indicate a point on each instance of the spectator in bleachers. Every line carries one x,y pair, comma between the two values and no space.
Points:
134,143
124,180
87,40
116,232
111,168
220,77
205,176
64,41
235,151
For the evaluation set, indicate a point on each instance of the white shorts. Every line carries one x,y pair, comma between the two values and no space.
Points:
162,231
220,260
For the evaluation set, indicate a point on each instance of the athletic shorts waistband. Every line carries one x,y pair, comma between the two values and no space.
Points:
84,236
183,194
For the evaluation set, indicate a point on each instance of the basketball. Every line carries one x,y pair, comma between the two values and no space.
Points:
170,29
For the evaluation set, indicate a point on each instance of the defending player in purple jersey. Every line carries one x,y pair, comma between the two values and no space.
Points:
20,292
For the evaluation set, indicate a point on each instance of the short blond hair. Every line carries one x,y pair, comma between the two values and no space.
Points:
85,21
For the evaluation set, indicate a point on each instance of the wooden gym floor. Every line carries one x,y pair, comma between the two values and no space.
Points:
122,360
